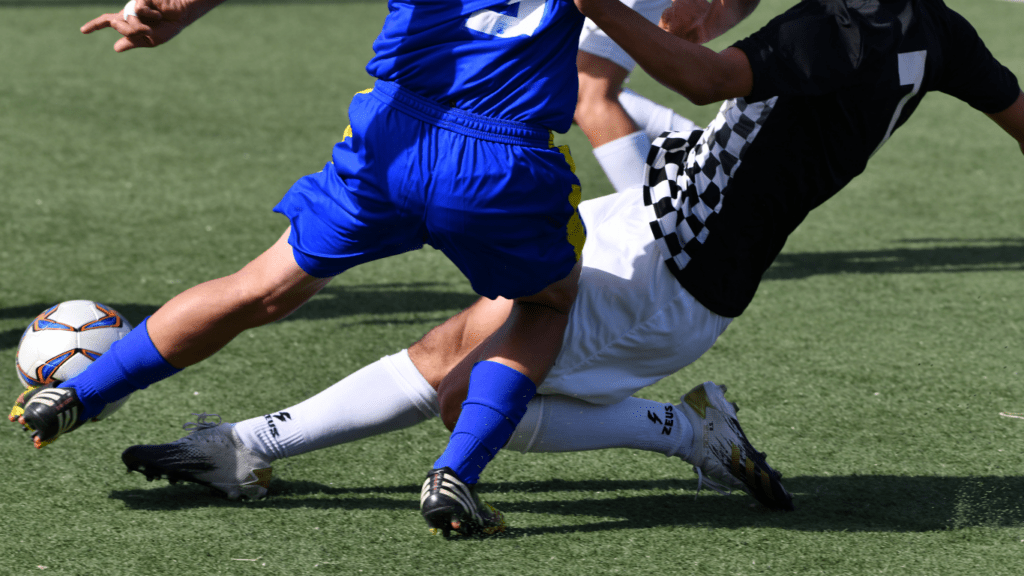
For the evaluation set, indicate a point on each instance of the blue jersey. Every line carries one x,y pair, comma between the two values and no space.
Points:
508,60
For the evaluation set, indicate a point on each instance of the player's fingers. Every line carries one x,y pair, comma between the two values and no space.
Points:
147,14
134,41
98,23
132,27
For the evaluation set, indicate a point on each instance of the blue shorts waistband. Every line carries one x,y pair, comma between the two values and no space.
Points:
460,121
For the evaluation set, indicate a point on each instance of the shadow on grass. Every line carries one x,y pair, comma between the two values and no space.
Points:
996,254
824,503
339,302
439,300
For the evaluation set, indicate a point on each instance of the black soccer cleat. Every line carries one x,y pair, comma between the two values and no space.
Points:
212,455
447,504
51,412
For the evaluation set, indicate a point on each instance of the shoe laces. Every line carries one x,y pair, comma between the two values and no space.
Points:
201,423
715,485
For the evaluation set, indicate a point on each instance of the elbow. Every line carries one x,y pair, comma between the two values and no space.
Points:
699,88
710,89
703,97
707,77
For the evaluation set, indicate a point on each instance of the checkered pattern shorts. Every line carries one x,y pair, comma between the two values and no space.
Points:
688,173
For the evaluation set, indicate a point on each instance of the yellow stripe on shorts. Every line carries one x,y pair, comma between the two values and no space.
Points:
348,129
576,233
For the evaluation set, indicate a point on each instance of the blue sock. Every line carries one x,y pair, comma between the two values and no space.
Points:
131,364
494,405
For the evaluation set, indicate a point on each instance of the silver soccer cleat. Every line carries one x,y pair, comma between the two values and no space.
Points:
212,455
722,456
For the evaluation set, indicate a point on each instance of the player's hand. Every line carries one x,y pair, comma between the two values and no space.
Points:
154,23
685,19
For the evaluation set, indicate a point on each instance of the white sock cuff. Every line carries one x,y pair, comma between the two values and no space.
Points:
525,435
652,117
413,383
623,159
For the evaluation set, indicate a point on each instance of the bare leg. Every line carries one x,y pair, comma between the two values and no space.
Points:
487,330
620,145
446,348
598,111
531,337
189,328
203,319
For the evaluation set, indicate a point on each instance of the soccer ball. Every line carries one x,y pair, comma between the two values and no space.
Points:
66,338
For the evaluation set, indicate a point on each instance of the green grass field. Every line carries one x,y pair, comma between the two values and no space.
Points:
872,366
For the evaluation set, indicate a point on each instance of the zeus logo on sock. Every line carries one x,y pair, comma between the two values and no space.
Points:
666,427
669,420
282,416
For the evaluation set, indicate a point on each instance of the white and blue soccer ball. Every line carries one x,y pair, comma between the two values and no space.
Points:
66,338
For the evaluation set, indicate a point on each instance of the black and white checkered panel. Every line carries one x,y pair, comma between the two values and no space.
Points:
687,176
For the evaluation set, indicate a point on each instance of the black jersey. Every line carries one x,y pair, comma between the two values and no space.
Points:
832,80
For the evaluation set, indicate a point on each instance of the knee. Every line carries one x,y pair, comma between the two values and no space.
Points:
559,296
593,103
253,303
450,401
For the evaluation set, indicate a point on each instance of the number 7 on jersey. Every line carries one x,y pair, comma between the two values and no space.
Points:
911,67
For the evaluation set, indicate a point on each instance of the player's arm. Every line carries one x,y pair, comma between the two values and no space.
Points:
702,75
150,23
1012,120
700,22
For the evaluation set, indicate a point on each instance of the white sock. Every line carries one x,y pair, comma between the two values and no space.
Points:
388,395
651,117
563,424
623,160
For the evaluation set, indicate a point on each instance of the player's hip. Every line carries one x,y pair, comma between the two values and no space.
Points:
632,323
402,146
502,207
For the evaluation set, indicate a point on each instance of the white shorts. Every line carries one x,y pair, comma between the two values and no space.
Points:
632,323
594,41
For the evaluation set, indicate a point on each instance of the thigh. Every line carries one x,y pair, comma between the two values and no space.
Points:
632,323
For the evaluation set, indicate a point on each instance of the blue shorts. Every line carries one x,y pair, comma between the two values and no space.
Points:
498,198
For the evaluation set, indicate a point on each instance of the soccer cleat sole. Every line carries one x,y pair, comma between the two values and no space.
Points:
746,464
445,524
448,505
761,480
254,488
